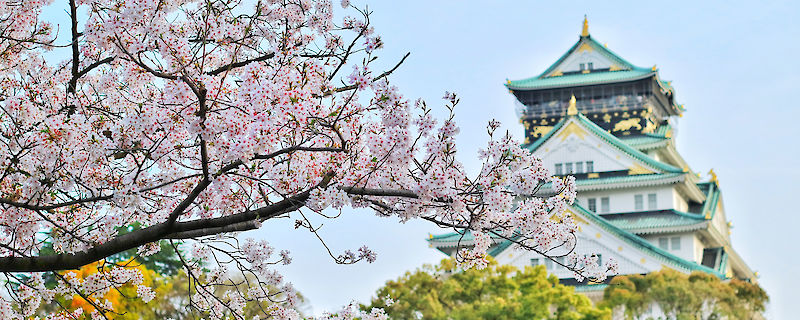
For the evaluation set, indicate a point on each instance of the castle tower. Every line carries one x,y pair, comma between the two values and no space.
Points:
609,123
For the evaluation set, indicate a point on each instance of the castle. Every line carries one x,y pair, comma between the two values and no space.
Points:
611,125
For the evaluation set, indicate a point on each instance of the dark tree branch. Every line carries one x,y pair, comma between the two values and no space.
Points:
53,206
380,192
90,68
381,76
73,9
235,65
134,239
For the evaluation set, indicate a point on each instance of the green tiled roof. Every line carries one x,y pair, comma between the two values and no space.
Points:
591,287
580,79
667,219
622,234
628,71
662,130
611,139
645,141
712,198
644,245
595,46
456,237
723,264
453,239
627,179
607,182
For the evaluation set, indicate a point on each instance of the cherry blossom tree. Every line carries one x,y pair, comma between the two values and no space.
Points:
184,122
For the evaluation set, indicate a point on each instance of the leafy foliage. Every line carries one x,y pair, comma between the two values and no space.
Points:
495,292
680,296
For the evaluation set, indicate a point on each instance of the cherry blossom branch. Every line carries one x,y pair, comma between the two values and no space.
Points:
380,76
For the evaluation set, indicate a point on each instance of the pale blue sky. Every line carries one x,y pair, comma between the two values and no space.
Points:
733,65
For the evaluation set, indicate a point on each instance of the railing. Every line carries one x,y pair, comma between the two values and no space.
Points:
558,108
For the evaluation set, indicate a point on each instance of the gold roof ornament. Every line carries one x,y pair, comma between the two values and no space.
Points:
585,31
573,109
713,176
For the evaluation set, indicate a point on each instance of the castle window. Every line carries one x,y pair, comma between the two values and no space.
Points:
578,167
583,66
548,264
676,243
592,204
534,262
568,168
589,166
638,202
651,201
663,243
591,66
559,171
605,204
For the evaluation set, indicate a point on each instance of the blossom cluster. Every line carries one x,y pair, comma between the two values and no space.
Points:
192,120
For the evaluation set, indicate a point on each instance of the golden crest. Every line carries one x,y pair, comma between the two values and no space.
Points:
627,124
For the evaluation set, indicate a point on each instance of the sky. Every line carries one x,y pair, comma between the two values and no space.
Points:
733,65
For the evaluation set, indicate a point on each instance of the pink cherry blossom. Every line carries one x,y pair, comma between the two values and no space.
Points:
186,122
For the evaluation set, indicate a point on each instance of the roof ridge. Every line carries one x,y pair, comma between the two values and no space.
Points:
614,141
597,46
617,142
690,265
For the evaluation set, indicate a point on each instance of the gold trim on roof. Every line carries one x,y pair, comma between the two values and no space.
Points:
638,169
572,128
585,31
540,131
572,109
713,176
627,124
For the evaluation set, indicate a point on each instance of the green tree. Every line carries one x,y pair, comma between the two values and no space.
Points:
696,296
495,292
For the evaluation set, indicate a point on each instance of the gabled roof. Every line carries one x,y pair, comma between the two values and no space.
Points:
604,135
645,141
621,69
646,247
466,238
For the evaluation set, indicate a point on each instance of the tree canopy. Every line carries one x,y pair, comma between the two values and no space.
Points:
680,296
497,292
